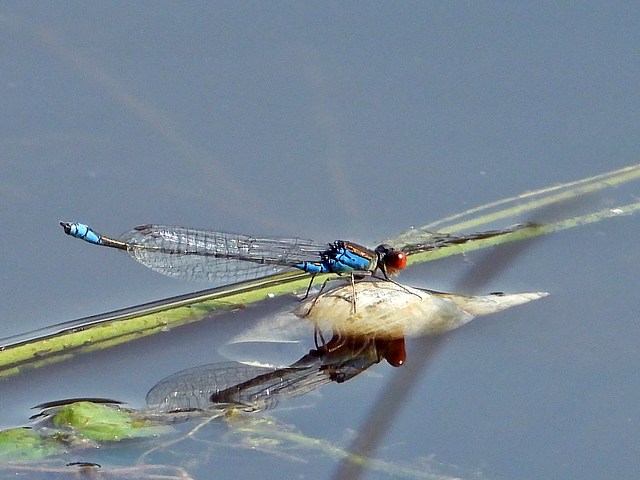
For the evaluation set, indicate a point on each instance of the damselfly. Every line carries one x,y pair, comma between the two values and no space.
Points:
226,258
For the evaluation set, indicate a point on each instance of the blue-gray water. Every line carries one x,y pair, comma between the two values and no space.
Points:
329,122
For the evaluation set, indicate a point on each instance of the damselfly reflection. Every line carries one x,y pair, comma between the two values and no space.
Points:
387,312
223,386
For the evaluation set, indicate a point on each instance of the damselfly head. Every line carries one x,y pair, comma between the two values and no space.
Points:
392,260
392,351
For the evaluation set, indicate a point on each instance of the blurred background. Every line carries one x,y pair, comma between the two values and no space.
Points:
330,121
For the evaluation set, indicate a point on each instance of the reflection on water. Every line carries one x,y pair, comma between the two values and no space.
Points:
207,392
254,388
226,390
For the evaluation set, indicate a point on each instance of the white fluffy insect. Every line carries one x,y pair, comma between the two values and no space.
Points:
388,310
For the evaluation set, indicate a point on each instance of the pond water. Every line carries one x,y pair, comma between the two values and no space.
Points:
332,122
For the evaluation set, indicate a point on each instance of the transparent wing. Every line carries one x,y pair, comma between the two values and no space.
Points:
215,256
419,240
220,385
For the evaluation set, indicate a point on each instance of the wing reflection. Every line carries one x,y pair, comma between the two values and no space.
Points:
227,386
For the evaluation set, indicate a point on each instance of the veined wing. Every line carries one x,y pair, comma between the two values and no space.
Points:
209,255
223,385
418,240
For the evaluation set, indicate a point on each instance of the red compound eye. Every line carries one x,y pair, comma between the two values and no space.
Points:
392,351
395,261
